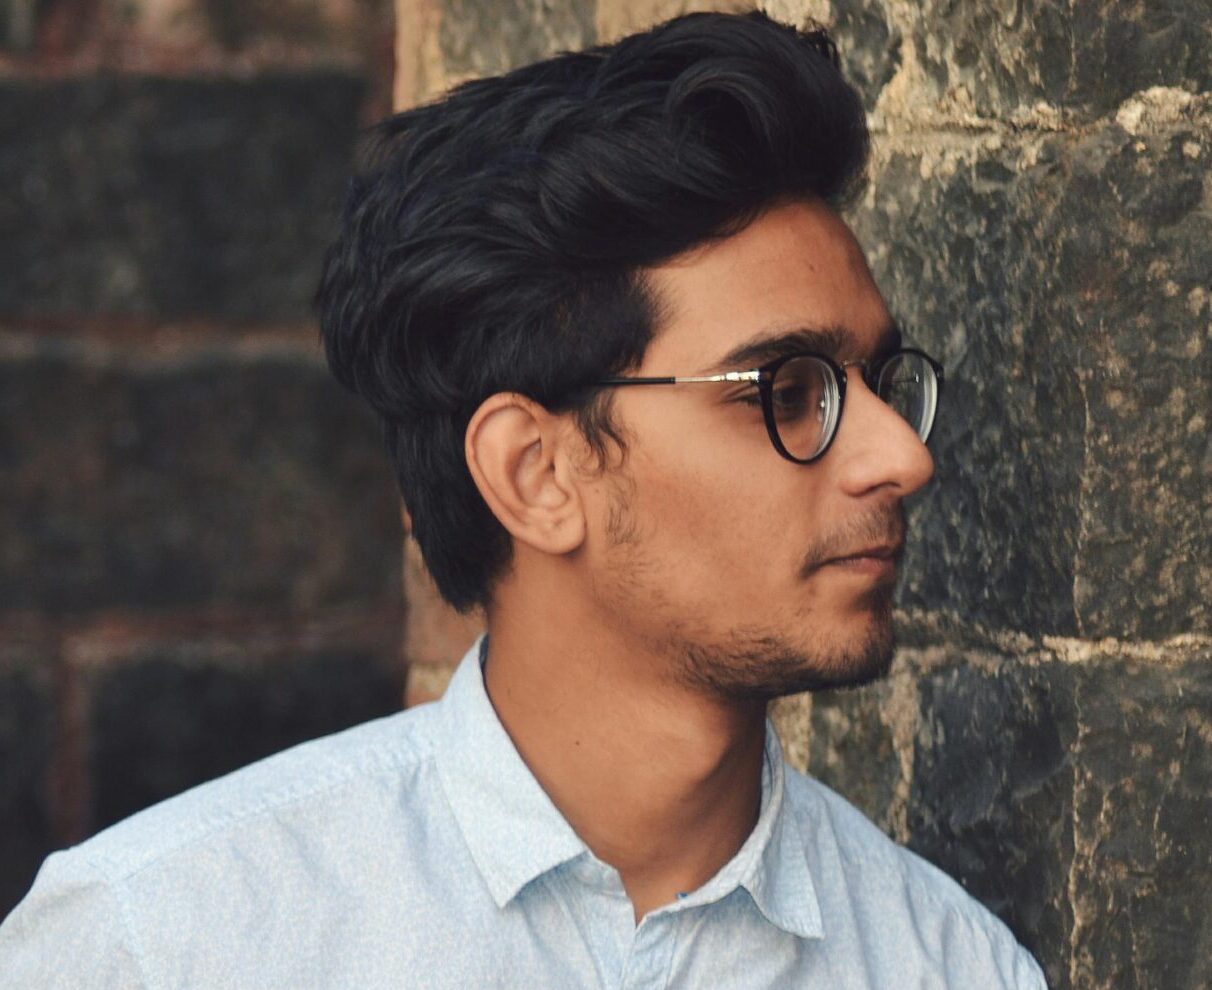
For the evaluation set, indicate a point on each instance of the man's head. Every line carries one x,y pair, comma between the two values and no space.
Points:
647,208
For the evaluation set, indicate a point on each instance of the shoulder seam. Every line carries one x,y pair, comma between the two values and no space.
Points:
113,873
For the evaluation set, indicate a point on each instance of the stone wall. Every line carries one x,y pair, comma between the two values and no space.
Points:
199,559
1040,215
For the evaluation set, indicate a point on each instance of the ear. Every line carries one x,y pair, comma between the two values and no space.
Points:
516,452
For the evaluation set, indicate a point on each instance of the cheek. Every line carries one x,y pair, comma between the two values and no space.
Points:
716,504
722,527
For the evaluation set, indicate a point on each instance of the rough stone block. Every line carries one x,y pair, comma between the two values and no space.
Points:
172,718
1028,787
486,37
1143,827
172,197
869,42
1072,795
854,747
996,57
992,796
1063,282
26,730
216,479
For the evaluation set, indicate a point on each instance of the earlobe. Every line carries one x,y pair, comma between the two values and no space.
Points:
514,450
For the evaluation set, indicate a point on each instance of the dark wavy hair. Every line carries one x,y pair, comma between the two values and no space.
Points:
493,240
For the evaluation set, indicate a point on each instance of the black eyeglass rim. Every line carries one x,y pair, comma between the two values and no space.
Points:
766,373
870,375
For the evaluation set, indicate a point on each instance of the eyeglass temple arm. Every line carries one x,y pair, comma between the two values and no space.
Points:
728,376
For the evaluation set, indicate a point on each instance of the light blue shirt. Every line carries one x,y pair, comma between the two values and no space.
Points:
419,851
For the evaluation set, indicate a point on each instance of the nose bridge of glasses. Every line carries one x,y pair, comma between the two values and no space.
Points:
866,371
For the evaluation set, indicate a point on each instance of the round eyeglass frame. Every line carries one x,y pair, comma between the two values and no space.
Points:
763,377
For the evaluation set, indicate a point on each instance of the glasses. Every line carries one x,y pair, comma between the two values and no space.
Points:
802,395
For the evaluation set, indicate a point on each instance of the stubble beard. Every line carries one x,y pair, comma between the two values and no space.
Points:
761,665
753,667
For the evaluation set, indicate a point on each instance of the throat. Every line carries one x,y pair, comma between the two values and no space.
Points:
649,803
660,781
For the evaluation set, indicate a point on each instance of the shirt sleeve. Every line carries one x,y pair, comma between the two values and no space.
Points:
980,951
69,932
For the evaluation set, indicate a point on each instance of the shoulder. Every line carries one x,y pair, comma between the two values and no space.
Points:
916,906
322,771
234,863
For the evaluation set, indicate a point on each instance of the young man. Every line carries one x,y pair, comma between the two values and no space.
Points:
648,410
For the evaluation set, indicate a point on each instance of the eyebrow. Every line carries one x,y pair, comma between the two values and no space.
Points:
833,342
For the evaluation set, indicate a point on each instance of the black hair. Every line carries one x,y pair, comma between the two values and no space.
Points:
493,240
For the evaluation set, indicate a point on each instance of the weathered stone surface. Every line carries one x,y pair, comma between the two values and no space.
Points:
485,37
209,479
1002,57
853,746
996,532
618,18
1067,297
1143,827
26,720
1072,798
171,197
991,800
869,41
163,723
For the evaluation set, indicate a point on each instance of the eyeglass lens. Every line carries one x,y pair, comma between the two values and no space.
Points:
806,400
908,384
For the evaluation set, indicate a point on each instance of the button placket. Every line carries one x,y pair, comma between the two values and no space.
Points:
652,948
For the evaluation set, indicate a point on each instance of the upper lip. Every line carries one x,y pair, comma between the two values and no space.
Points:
882,551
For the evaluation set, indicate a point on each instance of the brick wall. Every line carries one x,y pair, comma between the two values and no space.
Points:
200,556
1039,216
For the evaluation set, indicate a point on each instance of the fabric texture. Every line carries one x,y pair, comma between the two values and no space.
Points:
419,851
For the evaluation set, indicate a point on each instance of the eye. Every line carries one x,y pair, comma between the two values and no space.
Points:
800,390
793,400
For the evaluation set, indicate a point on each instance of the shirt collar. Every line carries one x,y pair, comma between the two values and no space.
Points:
779,880
513,830
771,865
516,834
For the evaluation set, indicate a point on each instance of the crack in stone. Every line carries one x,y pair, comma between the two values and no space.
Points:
1082,497
1075,872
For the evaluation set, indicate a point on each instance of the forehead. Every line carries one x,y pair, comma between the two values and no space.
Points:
796,267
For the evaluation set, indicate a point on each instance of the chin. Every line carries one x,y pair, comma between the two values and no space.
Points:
747,665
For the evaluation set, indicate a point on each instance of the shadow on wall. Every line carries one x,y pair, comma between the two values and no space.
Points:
201,550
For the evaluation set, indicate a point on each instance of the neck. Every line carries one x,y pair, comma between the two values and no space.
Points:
659,781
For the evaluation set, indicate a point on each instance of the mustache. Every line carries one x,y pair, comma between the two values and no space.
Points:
884,526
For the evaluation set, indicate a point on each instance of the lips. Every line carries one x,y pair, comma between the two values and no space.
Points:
884,551
873,541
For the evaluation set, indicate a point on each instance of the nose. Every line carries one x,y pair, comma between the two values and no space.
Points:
877,450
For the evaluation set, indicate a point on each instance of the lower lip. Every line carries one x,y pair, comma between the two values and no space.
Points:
875,567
